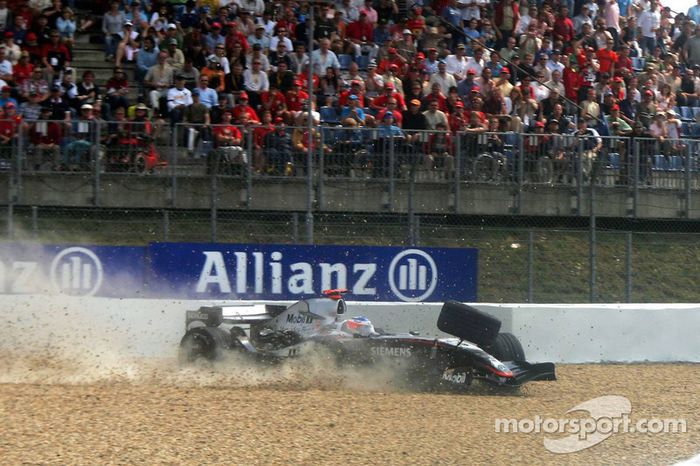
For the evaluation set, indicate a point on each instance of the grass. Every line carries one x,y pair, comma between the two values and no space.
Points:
664,267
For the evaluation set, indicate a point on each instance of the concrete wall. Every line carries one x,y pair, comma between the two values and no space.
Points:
558,333
358,195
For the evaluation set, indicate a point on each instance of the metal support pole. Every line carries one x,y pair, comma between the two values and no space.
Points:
97,130
521,175
10,220
628,268
35,221
392,173
458,171
635,186
172,161
592,232
579,176
321,168
688,182
530,265
249,171
166,225
310,126
411,213
214,188
295,228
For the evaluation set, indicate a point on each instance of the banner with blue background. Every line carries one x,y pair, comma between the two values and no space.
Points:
241,271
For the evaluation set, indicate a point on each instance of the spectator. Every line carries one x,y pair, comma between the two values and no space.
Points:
244,108
66,27
112,27
12,50
323,57
157,82
433,116
179,97
176,59
45,137
55,56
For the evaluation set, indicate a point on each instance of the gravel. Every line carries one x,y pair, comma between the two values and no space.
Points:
156,414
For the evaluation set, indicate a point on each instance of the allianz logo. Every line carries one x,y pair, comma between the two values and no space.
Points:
75,270
412,275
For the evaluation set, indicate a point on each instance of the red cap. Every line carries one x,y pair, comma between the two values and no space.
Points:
618,79
9,34
476,89
471,71
389,86
10,105
216,25
355,81
392,50
505,69
31,36
298,83
279,120
393,66
243,96
615,107
649,92
539,124
459,104
6,88
420,55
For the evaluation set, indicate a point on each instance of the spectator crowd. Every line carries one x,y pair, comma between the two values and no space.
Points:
606,67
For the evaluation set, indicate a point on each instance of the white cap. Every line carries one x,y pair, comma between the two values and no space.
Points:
172,26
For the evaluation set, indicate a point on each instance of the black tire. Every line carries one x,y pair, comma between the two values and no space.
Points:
507,347
203,343
468,323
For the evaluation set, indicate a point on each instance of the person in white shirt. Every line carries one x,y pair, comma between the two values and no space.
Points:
553,64
457,63
477,62
282,35
324,58
525,19
648,22
443,78
179,97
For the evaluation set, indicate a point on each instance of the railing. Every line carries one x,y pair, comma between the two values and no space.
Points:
519,162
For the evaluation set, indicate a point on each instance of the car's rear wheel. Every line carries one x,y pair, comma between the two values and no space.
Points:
507,347
202,343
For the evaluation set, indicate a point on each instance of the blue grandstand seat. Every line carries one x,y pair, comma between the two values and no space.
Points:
695,110
687,114
660,163
363,61
694,130
329,115
675,163
614,160
345,61
637,63
685,129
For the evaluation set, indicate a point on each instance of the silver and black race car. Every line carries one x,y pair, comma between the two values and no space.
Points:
273,333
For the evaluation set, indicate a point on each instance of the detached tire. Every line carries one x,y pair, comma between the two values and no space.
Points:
202,343
507,347
468,323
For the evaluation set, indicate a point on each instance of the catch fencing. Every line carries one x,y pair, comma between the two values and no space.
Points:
575,257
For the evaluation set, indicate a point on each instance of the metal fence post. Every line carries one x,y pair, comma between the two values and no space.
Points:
20,157
530,265
628,267
214,187
172,161
637,172
521,174
392,173
410,207
166,225
592,239
10,220
688,193
310,185
97,130
458,171
249,172
579,175
295,228
321,168
35,221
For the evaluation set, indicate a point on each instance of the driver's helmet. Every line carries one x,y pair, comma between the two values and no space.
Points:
360,326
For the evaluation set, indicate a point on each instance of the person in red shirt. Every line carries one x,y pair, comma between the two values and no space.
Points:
243,107
55,56
45,136
436,95
303,78
563,26
273,101
458,119
380,101
259,134
607,58
234,36
393,59
355,89
228,140
391,107
623,65
360,32
296,98
23,69
573,80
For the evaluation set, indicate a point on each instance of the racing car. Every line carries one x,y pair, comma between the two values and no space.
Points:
273,333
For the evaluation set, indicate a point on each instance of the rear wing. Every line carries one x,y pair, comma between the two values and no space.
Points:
213,316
